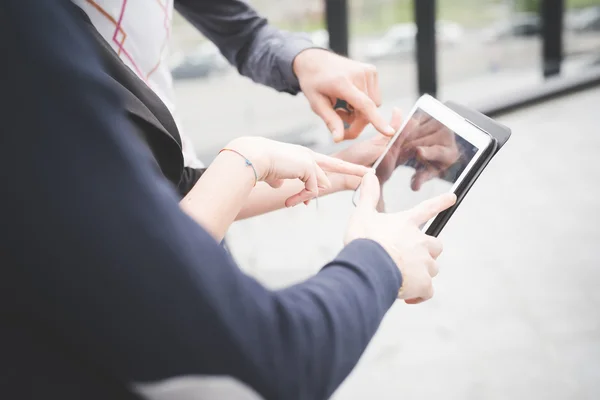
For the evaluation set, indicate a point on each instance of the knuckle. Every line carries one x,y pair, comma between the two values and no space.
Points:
341,81
423,240
434,269
432,242
438,244
331,124
430,263
429,292
315,107
366,104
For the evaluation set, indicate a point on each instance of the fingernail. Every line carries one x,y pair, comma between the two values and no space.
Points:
389,130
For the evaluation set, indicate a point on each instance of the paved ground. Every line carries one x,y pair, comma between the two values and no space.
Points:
515,315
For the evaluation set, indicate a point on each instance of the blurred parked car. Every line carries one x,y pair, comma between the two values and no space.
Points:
205,60
583,20
399,40
519,25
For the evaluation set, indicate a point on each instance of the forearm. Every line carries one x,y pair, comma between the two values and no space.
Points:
219,195
258,50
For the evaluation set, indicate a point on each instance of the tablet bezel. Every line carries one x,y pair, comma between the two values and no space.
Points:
457,124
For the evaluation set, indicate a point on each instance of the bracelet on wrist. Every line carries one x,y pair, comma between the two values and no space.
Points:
247,161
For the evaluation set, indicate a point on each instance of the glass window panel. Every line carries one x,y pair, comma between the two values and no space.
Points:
489,48
216,104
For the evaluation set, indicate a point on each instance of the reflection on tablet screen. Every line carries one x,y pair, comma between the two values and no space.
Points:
426,159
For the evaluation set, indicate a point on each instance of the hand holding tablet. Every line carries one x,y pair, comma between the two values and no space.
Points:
439,148
414,252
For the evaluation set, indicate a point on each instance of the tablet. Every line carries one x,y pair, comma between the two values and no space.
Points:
436,150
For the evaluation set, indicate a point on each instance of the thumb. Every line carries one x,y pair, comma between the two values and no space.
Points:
432,207
369,192
323,108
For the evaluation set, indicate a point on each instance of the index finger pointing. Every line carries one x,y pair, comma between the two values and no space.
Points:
362,103
332,164
428,209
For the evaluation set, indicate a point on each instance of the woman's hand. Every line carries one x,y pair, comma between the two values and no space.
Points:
275,162
368,151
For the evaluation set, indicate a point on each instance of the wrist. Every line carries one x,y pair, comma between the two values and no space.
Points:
304,61
250,149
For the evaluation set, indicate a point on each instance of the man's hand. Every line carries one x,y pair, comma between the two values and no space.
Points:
413,252
325,77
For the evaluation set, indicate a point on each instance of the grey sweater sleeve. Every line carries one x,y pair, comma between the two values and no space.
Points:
258,50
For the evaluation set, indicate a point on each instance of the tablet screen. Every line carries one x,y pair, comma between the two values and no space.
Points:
426,160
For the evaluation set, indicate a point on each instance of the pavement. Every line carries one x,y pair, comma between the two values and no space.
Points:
515,315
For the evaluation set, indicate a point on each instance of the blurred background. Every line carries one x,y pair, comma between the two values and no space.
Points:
485,48
516,310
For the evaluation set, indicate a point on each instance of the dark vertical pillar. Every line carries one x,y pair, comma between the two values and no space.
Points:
552,12
336,17
425,12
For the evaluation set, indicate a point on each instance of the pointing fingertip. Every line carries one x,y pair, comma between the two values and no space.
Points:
389,130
